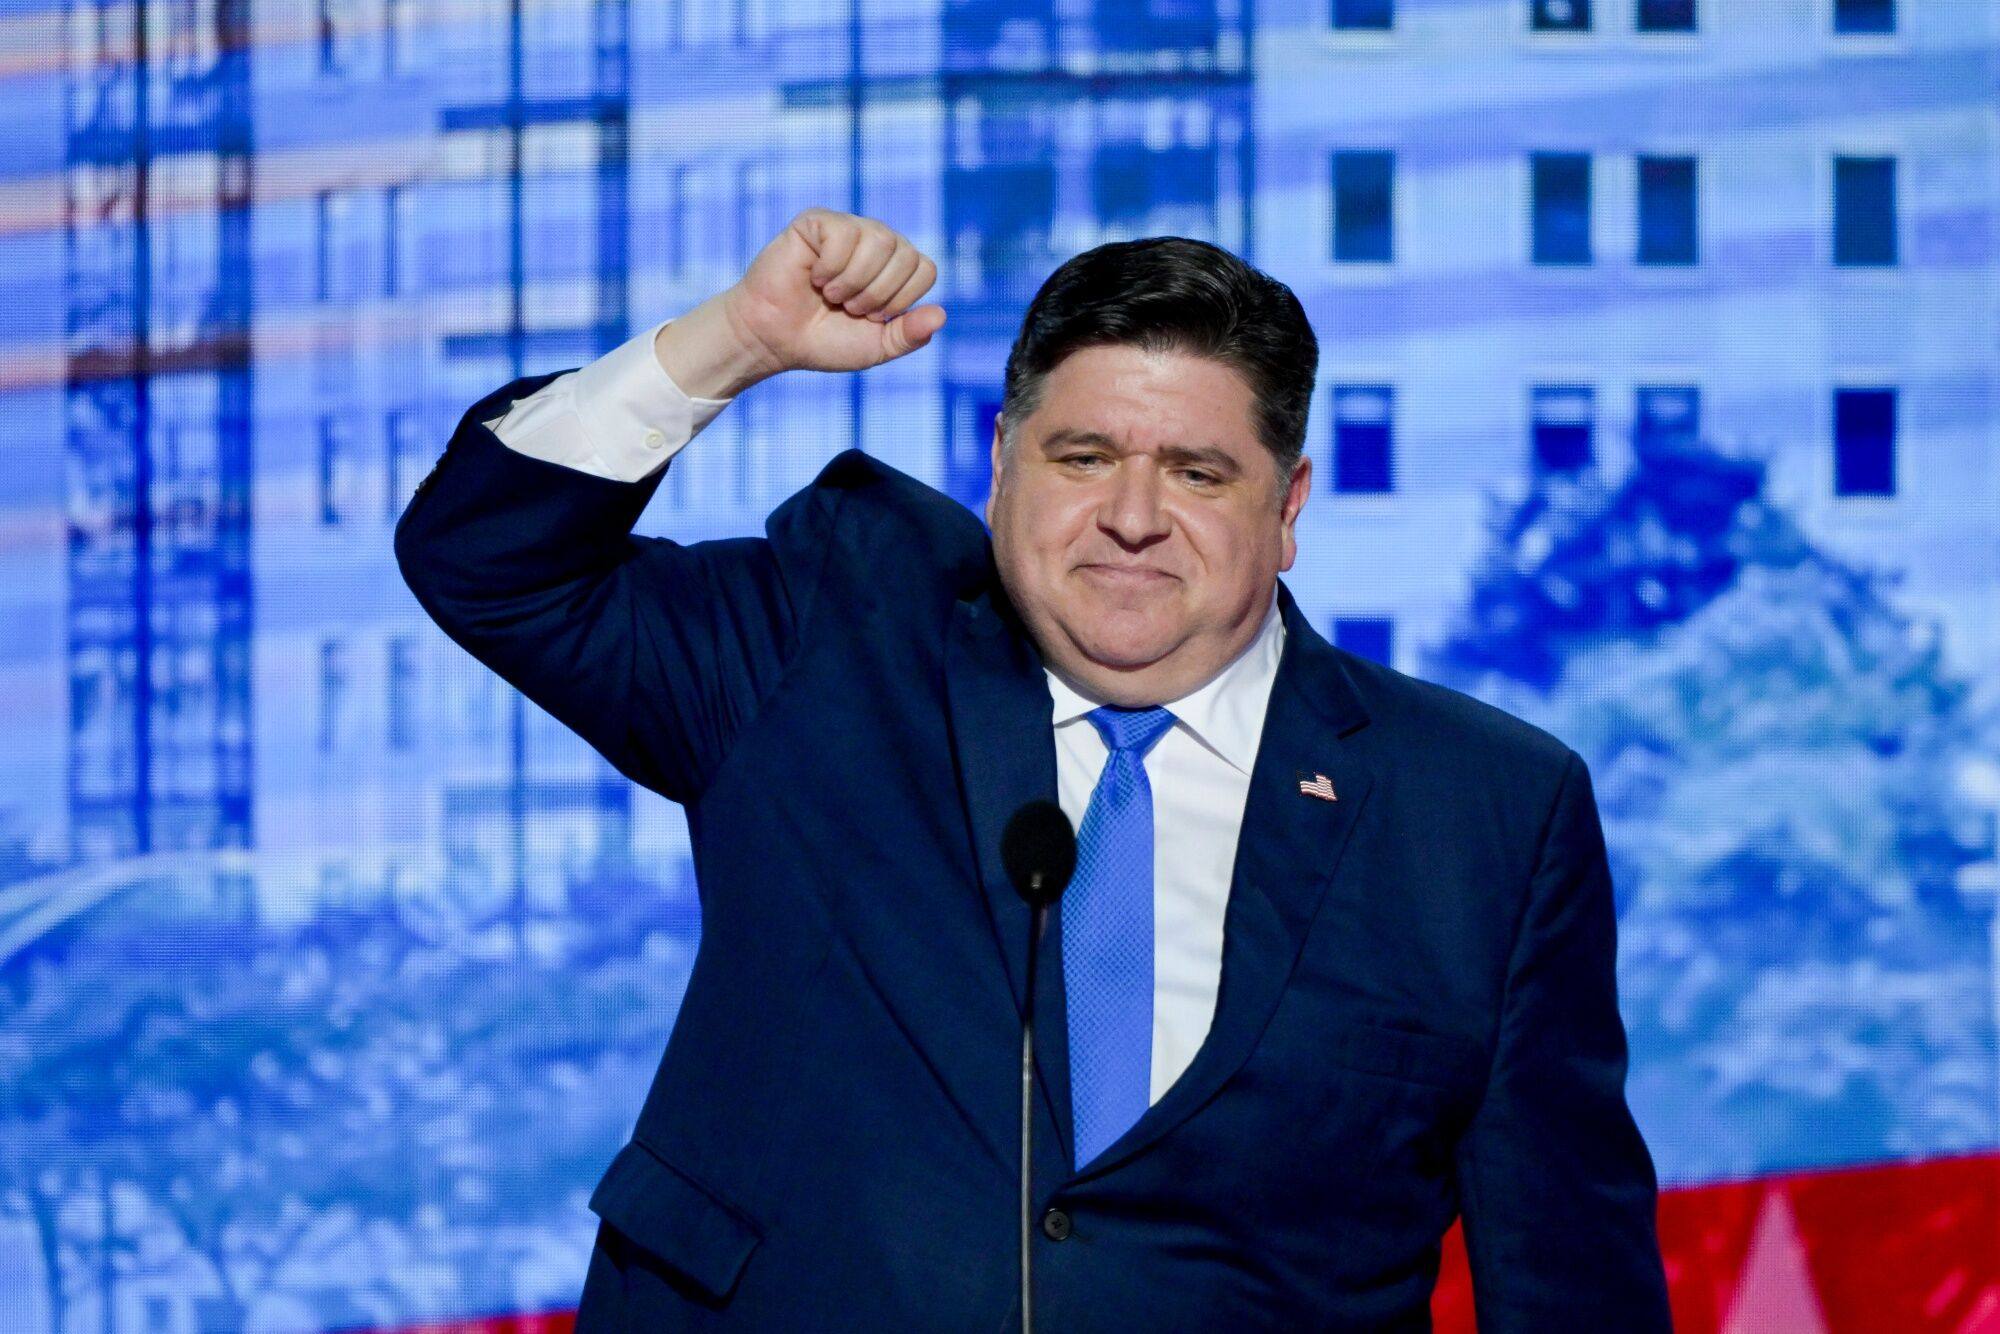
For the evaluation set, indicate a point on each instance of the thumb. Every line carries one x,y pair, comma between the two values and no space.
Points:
910,330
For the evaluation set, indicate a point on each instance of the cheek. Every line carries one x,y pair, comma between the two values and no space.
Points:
1219,539
1230,549
1050,529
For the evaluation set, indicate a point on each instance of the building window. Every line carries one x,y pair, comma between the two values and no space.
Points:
1864,442
1564,419
332,692
339,247
970,412
1864,211
1559,15
399,36
340,36
402,271
677,222
324,207
1364,15
1561,207
1668,232
1136,188
1371,637
402,692
1665,417
393,209
336,885
1665,16
1363,206
1363,437
1864,16
402,434
754,226
186,42
742,466
336,470
473,699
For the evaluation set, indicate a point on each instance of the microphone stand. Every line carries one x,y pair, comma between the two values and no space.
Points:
1027,1118
1038,849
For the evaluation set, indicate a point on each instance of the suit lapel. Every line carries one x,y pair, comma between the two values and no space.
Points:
998,698
1287,855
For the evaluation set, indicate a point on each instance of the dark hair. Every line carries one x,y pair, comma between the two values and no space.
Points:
1173,293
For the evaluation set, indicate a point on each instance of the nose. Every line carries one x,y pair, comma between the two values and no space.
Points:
1132,511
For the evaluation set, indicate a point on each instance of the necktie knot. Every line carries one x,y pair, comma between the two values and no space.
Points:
1131,729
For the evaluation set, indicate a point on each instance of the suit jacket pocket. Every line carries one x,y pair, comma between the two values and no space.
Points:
669,1214
1441,1059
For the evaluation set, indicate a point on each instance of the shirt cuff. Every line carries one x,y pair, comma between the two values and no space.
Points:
621,416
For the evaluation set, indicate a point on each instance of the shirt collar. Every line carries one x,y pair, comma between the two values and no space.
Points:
1226,714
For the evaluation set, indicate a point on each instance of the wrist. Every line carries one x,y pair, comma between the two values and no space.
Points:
708,355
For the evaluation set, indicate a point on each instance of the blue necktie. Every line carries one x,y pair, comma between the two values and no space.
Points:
1107,938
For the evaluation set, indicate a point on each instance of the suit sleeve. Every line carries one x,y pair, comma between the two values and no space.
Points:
1557,1187
653,651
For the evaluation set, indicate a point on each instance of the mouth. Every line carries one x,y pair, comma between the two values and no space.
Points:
1125,576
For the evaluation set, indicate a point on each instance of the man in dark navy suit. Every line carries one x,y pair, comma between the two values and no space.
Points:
1337,963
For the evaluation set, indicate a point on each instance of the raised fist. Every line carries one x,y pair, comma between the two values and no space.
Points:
832,292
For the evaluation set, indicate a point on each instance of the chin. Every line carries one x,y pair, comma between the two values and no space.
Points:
1120,634
1124,655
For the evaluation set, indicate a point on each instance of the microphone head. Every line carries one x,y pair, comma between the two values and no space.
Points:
1038,848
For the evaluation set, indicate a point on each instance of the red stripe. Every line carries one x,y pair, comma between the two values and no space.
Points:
544,1322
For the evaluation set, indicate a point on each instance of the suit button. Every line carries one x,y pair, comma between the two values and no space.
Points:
1055,1225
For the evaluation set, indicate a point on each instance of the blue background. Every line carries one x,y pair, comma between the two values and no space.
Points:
1656,404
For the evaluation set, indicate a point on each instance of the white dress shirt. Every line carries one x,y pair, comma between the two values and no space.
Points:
622,417
1199,772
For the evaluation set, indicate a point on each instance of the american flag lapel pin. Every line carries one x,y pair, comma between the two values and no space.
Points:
1318,786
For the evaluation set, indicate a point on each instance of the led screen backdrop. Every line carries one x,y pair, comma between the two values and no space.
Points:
1657,405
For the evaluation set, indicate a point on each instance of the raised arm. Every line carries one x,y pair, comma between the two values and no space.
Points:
1558,1189
654,651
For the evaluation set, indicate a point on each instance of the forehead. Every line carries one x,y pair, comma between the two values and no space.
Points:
1147,400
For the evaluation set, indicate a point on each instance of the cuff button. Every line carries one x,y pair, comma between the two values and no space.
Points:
655,440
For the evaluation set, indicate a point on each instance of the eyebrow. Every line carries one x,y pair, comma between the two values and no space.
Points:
1209,456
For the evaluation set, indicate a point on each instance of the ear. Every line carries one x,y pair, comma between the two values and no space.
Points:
993,487
1295,500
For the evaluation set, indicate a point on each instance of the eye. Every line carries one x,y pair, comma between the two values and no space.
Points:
1079,460
1199,477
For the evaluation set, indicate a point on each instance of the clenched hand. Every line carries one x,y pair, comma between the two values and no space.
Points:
831,292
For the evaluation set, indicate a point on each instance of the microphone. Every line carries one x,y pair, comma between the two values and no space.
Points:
1038,849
